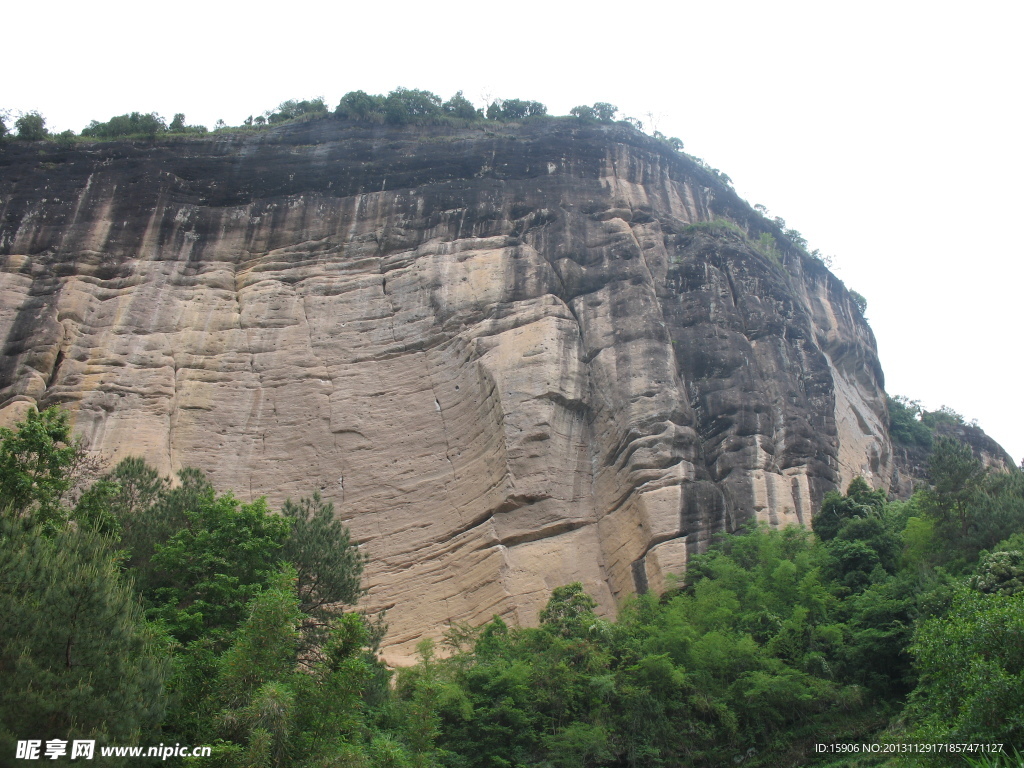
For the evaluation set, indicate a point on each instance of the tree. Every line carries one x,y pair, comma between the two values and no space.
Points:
35,462
605,112
956,476
837,510
293,108
1000,572
132,124
570,611
971,668
583,113
515,109
178,123
139,486
359,105
905,426
200,580
945,415
255,703
77,658
119,500
404,105
149,512
796,238
859,302
459,106
328,563
66,139
31,127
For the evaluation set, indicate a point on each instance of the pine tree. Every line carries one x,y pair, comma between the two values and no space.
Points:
328,563
77,658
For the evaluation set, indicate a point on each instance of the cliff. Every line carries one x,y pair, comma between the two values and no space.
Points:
910,462
513,357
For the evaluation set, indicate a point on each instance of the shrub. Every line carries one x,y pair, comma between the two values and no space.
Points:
602,111
404,105
65,139
971,663
905,425
583,112
359,105
515,109
291,109
133,124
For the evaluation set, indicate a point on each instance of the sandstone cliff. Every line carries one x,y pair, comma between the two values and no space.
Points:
506,354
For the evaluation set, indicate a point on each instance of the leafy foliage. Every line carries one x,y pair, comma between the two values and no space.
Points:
328,564
31,127
886,621
461,107
405,105
945,415
359,105
294,108
35,465
76,656
515,109
971,665
905,425
767,245
132,124
206,573
602,112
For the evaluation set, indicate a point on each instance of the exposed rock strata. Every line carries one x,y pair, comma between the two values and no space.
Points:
506,355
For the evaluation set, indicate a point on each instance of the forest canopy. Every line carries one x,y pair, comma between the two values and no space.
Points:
141,610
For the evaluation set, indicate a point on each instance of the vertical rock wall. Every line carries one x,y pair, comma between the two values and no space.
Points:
509,357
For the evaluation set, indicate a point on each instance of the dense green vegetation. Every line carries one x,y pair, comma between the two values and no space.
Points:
140,611
402,106
912,425
137,610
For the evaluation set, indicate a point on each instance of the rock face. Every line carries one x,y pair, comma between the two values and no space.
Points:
911,461
513,358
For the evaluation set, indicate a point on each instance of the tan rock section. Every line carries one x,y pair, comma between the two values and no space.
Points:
509,359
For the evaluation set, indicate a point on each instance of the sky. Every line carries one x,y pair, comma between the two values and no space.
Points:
888,133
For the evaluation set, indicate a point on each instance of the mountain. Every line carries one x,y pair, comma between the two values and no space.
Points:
513,355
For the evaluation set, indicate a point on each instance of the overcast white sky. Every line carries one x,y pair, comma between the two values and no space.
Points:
888,133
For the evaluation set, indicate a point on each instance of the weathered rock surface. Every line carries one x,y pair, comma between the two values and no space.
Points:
506,355
911,461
